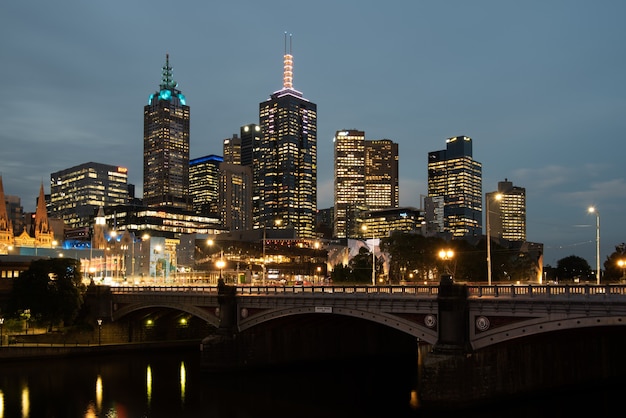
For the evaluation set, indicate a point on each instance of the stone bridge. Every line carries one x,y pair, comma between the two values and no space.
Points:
472,342
474,317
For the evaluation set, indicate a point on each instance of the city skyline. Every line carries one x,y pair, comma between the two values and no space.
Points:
538,87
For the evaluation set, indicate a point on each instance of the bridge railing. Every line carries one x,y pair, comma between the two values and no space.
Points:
474,290
532,290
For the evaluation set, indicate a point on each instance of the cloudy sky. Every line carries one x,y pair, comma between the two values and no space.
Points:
539,86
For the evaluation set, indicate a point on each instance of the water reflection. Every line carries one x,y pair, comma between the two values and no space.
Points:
183,381
149,384
25,401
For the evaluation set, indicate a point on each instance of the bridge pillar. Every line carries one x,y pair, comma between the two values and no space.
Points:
453,315
221,350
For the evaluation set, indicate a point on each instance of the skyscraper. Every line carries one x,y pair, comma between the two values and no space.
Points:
287,176
235,196
366,179
77,192
232,150
454,175
349,199
507,215
204,184
381,174
166,145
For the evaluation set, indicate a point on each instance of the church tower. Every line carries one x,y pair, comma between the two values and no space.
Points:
6,226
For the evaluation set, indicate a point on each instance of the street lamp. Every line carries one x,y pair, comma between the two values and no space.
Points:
1,325
622,265
446,256
99,331
488,197
364,228
276,222
594,210
220,263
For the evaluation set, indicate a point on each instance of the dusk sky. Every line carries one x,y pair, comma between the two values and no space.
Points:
539,86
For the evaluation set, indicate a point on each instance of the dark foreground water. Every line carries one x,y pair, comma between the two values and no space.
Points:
171,384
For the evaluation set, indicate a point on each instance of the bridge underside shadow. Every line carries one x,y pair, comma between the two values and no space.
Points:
307,338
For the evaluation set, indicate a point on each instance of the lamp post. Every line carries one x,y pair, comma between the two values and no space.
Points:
497,196
446,256
276,222
99,331
364,228
622,265
594,210
1,325
220,263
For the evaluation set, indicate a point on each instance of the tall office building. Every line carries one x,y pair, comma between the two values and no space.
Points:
454,175
235,196
77,192
166,145
232,150
507,211
349,199
287,175
366,179
250,150
381,174
204,184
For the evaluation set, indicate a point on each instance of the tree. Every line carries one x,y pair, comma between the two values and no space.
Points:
613,271
573,268
51,289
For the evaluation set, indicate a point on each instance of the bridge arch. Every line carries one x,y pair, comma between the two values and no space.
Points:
399,323
196,311
537,326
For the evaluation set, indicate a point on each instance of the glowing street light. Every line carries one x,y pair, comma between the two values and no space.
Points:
99,331
622,265
446,255
220,263
594,210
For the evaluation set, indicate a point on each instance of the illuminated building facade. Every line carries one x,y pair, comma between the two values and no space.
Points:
381,223
366,179
250,151
454,175
232,150
507,215
235,196
381,174
287,175
77,192
166,146
204,184
349,150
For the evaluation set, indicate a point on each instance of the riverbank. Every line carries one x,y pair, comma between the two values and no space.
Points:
25,351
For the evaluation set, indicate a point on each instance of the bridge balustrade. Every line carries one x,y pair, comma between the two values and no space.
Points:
564,291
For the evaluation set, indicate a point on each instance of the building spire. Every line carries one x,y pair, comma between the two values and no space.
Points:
167,81
6,226
288,65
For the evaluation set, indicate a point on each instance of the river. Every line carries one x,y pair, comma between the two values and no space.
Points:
172,384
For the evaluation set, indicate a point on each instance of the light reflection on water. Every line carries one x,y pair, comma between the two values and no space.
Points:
173,385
